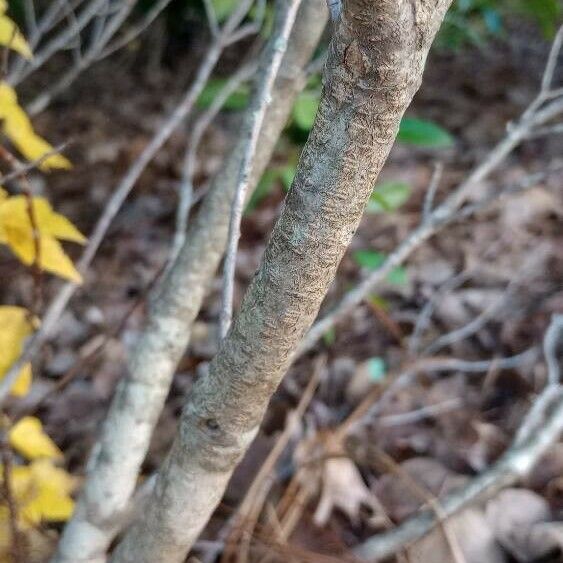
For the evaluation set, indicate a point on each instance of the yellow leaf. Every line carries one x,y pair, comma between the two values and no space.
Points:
28,438
51,501
17,127
21,386
52,257
15,327
46,473
3,194
11,37
14,212
42,492
16,231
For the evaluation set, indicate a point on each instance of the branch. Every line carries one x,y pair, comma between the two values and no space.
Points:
107,30
538,431
175,302
185,200
133,33
117,199
262,99
356,124
533,117
59,42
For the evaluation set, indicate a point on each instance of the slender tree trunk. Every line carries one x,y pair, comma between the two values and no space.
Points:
374,68
116,458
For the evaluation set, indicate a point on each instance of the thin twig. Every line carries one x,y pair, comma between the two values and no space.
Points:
411,417
59,303
59,42
185,201
431,191
404,376
34,164
425,315
133,33
263,99
244,521
419,492
538,431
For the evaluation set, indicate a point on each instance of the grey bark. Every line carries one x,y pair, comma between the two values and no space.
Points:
373,70
116,459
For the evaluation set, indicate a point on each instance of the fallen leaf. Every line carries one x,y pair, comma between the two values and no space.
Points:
473,536
343,488
512,515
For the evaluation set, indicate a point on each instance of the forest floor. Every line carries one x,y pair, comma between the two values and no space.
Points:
439,431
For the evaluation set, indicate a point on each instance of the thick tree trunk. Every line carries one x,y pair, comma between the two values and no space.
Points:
124,440
375,66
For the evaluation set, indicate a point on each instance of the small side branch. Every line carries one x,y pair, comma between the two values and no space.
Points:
538,431
263,99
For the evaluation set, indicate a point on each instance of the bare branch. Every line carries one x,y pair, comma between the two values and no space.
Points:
112,207
198,129
175,302
355,128
547,78
59,42
133,33
262,100
431,191
538,431
34,164
534,116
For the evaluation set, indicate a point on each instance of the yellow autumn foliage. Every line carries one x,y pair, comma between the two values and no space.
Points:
17,127
15,327
41,492
10,35
16,231
29,439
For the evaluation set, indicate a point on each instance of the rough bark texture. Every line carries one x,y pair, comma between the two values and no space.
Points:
139,398
374,68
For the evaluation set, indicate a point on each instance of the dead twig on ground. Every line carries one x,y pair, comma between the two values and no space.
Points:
537,433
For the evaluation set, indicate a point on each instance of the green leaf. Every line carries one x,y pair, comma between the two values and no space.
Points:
287,173
329,337
545,12
373,260
376,369
423,133
398,276
388,196
236,101
223,8
305,110
369,259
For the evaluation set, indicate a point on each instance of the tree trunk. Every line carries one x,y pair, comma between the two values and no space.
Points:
374,68
116,458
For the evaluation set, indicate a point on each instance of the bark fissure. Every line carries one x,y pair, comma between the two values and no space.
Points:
374,68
